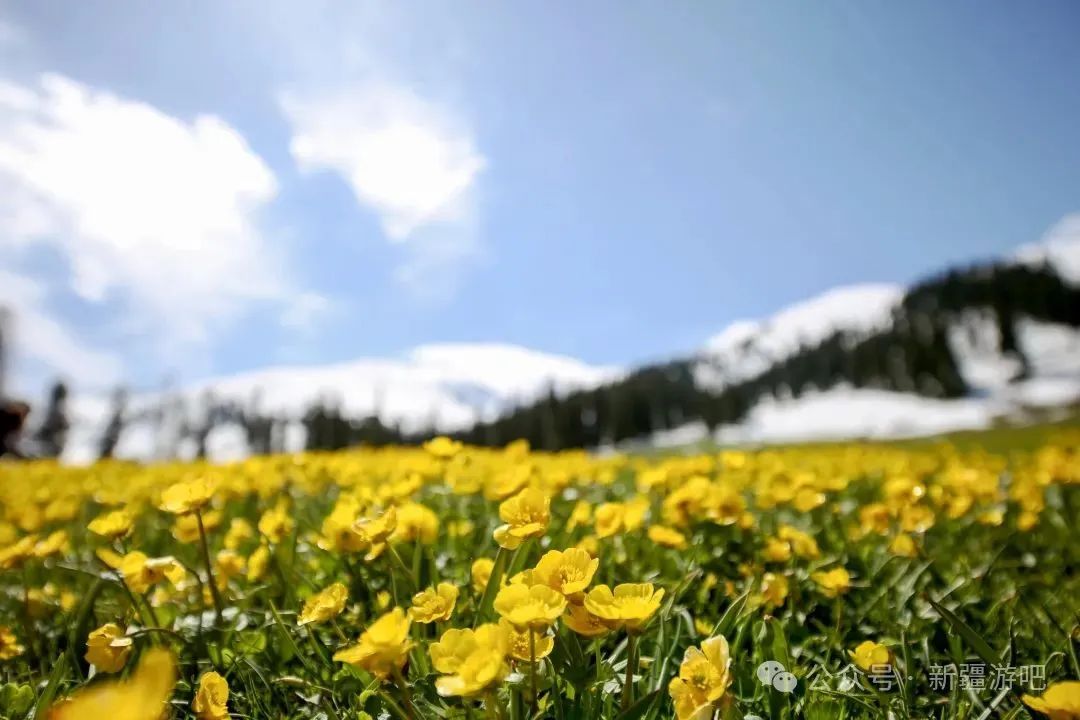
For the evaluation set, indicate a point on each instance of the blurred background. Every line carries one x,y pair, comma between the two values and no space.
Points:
261,227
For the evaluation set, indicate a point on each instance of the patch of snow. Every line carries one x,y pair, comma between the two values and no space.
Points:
1052,351
749,347
844,413
687,434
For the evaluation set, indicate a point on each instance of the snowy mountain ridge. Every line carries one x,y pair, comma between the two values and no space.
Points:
447,386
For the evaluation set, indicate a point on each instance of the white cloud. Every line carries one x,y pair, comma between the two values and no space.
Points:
302,312
35,336
413,162
151,212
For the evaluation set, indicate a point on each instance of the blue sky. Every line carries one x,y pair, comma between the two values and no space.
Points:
615,181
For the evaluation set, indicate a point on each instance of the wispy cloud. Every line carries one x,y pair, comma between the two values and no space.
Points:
152,213
412,162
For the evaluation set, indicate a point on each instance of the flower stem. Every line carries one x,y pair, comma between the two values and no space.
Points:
491,703
218,607
532,671
340,633
406,694
631,661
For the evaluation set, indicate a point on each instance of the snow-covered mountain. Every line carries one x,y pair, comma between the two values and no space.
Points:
746,348
449,386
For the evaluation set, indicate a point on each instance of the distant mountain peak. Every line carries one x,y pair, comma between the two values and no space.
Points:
748,347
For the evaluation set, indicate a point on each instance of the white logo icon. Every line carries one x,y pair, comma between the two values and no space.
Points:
772,672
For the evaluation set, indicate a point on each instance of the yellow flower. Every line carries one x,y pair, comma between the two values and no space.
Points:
916,518
1061,701
509,482
703,679
459,528
526,515
186,527
776,550
833,582
240,531
580,515
471,661
609,519
188,496
481,573
54,544
337,533
631,605
9,644
668,537
807,499
518,642
870,655
903,545
13,556
108,649
141,572
383,648
212,697
537,606
228,564
415,522
257,563
112,525
375,531
142,696
324,605
590,544
801,543
774,589
583,622
567,571
276,523
443,448
434,604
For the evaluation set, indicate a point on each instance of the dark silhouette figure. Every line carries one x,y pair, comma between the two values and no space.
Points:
116,424
12,418
52,434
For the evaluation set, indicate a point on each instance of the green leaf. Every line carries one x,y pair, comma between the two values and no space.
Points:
727,620
51,687
494,581
640,707
977,643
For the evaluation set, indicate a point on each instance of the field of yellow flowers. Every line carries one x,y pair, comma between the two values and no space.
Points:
844,581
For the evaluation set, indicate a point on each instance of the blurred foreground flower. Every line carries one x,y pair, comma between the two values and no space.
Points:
142,696
1061,701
